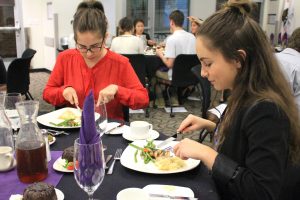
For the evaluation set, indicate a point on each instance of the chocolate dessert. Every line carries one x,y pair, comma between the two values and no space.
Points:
68,154
40,191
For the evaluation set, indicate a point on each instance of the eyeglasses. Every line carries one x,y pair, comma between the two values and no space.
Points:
93,49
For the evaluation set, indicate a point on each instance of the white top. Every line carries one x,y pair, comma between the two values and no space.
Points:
127,44
289,60
180,42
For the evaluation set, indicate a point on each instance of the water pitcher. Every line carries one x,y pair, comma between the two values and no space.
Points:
30,146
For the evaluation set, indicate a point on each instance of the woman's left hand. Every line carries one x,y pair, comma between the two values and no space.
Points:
188,148
107,94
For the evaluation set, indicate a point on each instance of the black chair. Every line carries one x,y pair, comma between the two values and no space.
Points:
2,72
138,62
18,79
28,53
182,76
205,98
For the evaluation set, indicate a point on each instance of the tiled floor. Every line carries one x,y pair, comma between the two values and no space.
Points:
161,120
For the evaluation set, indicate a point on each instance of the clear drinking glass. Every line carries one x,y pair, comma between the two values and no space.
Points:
89,166
101,118
11,112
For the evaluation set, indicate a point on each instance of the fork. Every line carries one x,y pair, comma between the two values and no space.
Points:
54,132
116,157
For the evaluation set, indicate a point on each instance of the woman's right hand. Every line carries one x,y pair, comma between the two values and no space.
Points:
70,95
193,123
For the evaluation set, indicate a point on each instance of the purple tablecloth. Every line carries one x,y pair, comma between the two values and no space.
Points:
10,183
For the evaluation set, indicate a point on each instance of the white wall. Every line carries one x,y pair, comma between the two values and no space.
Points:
202,8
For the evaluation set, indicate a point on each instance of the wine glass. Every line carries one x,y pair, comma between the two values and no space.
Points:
101,118
11,112
89,166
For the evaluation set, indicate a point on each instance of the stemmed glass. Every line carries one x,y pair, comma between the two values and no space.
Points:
101,122
89,166
11,112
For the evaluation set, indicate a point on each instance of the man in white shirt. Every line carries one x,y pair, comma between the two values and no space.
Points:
180,42
289,60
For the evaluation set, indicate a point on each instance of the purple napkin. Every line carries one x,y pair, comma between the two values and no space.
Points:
88,133
10,183
91,169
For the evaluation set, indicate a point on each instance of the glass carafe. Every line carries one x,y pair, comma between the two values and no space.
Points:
30,146
7,160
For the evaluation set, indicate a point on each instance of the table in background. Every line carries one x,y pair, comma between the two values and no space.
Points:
197,179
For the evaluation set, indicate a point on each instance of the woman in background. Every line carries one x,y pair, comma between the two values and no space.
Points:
92,66
258,136
195,24
126,42
139,27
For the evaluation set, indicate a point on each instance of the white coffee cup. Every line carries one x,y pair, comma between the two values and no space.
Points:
140,130
6,158
133,194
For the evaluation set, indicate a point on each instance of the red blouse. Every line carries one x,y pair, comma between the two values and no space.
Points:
71,70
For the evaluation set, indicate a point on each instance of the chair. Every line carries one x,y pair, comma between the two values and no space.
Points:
18,75
28,53
138,62
182,76
205,99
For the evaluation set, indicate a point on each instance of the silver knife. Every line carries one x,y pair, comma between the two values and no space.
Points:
172,197
166,141
107,160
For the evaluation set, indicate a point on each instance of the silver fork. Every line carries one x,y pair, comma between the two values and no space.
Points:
116,157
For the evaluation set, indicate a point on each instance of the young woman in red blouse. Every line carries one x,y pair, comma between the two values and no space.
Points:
92,66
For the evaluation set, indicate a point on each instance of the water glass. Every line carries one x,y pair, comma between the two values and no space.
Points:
101,118
89,166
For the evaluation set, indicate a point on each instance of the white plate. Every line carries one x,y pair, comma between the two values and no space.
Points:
153,135
54,117
60,195
54,139
112,130
58,165
127,160
171,190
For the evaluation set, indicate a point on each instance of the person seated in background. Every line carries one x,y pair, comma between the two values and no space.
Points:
256,142
195,23
92,66
289,59
139,27
180,42
126,42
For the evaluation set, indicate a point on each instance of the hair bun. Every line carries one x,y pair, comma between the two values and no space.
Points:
92,4
243,6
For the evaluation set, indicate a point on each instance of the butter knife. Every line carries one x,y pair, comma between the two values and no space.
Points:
165,142
110,130
172,197
107,160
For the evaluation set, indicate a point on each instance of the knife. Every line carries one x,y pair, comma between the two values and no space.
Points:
107,160
110,130
172,197
166,141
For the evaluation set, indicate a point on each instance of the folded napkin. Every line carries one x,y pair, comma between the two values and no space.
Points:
91,161
88,133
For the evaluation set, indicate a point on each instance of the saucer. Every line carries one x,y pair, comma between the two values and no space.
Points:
11,167
132,194
153,135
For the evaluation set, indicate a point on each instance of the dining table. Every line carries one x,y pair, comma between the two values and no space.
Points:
198,179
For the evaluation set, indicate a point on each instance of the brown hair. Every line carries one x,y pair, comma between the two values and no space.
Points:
125,25
177,17
294,40
232,29
90,17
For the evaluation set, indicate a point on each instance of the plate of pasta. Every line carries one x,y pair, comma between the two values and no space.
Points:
63,118
143,156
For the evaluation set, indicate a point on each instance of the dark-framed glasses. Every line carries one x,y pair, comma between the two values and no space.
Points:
93,49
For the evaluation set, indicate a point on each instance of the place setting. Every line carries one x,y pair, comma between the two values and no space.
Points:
139,130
